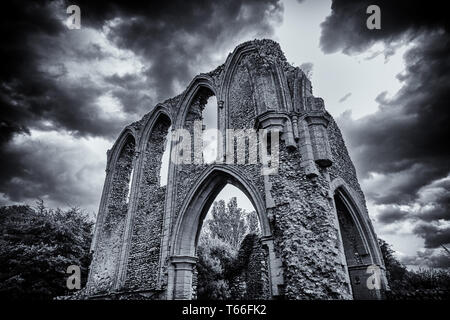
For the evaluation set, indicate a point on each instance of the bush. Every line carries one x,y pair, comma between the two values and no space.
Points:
424,284
36,247
215,257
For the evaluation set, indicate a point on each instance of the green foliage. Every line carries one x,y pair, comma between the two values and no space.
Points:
215,258
36,247
243,255
224,249
423,284
253,223
220,267
228,223
394,269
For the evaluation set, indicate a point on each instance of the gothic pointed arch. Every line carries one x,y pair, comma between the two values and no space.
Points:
113,211
200,82
200,198
160,112
141,240
360,246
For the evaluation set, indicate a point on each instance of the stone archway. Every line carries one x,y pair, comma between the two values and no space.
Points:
114,207
189,223
359,244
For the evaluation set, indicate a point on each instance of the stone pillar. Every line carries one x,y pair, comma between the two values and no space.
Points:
295,126
183,267
275,267
297,98
318,120
289,139
132,202
307,160
221,127
319,140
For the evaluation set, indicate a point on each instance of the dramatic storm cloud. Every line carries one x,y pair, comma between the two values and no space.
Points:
60,88
401,151
178,39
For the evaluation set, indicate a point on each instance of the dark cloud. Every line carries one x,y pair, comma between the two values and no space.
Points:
434,236
391,214
175,40
435,200
31,94
52,78
17,60
430,258
345,29
131,90
407,131
60,169
430,207
401,150
178,38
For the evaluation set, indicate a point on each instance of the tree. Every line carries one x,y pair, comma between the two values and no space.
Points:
215,257
36,247
253,223
394,269
223,250
228,223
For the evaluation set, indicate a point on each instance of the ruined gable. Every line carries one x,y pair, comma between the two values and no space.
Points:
312,211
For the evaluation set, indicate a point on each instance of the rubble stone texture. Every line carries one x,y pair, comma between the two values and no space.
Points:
316,232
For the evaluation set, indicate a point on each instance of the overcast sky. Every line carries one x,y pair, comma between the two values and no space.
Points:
66,94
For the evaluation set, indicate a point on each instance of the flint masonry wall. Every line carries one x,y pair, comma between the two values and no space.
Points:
256,276
146,248
104,263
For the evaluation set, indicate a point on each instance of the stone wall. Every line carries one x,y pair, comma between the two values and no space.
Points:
256,274
143,259
305,234
255,88
106,255
186,174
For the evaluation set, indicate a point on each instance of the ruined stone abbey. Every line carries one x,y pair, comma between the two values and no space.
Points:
317,236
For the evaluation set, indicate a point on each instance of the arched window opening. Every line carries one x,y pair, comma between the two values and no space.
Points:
149,209
157,154
356,254
117,204
210,130
164,171
232,263
123,173
129,185
201,122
